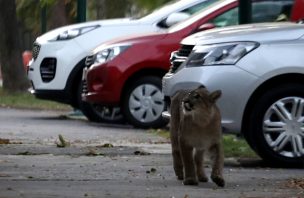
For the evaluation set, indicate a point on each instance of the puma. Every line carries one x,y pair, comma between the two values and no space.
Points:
195,129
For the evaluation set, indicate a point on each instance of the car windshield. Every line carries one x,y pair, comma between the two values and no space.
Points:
204,12
167,8
152,12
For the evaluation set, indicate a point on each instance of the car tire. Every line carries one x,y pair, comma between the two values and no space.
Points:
98,113
276,125
143,103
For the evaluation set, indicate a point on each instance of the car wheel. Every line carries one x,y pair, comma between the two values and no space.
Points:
276,127
99,113
143,103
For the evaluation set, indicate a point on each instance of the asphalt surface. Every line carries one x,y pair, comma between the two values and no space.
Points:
114,161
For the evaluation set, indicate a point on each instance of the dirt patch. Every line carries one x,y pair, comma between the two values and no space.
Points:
4,141
295,184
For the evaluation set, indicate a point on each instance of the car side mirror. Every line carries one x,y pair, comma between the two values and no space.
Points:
175,18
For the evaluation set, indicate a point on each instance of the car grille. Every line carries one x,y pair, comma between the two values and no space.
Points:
84,81
185,50
89,60
48,69
35,50
84,87
177,58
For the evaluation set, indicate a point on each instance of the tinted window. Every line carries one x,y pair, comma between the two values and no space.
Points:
192,10
265,11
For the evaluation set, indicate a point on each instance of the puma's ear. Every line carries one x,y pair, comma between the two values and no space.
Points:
215,95
202,87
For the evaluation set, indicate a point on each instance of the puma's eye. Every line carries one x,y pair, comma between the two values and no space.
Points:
196,95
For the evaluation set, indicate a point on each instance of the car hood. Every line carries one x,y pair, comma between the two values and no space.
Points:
262,32
102,23
146,38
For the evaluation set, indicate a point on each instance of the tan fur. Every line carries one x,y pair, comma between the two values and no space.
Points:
196,129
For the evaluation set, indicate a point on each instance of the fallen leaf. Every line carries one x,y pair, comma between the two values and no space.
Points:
4,141
295,183
93,152
107,145
62,142
141,153
4,175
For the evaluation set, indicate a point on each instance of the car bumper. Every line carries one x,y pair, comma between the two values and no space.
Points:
101,85
235,84
66,54
99,98
55,95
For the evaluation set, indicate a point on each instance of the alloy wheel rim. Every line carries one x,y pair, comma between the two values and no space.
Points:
283,127
146,103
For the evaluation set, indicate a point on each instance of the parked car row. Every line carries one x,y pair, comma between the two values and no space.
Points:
125,74
258,67
59,55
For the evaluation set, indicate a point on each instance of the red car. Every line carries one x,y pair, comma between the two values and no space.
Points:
126,73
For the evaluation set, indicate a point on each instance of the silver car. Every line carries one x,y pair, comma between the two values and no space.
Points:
260,70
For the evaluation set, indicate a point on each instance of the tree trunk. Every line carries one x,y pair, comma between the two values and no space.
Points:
13,73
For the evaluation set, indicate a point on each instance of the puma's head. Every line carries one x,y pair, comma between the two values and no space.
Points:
200,99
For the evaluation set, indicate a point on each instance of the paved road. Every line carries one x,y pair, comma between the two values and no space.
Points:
139,164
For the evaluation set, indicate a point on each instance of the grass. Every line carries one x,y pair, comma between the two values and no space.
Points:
233,146
25,100
237,147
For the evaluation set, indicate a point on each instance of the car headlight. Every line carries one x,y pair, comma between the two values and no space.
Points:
219,54
109,53
72,33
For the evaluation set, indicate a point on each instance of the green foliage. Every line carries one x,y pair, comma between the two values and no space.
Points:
47,2
29,11
148,4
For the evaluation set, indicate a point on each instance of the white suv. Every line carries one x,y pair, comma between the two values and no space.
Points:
59,55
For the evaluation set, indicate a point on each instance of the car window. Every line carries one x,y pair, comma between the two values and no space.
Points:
195,8
268,11
228,18
191,11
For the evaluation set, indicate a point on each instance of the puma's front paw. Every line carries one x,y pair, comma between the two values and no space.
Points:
218,180
180,177
203,179
190,181
179,174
